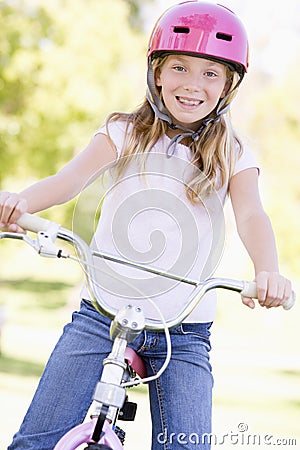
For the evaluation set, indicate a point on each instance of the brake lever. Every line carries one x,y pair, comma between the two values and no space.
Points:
45,246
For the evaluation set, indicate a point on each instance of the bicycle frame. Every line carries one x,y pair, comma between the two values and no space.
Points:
126,325
82,434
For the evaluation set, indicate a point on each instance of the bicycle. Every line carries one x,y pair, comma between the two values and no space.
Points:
122,366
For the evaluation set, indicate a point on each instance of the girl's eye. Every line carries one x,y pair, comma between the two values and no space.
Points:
179,68
211,74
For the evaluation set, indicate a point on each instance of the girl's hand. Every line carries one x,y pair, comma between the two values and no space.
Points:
12,206
272,290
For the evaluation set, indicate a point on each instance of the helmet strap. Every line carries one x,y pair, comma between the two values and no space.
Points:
155,102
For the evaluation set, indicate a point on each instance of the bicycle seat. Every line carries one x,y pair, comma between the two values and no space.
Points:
136,362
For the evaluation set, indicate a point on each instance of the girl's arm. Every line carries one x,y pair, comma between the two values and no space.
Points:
61,187
255,230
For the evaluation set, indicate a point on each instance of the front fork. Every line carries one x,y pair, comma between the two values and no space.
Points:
109,395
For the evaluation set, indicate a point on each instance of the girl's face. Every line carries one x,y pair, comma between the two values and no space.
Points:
191,88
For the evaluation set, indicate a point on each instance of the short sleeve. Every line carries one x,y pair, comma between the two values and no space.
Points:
117,132
247,160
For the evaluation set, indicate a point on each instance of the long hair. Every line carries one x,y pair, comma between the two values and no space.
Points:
214,153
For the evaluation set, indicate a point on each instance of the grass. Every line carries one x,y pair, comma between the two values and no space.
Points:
18,367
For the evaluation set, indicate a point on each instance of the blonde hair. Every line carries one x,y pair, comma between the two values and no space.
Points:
214,153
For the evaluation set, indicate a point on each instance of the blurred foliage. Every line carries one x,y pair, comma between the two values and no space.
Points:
63,66
22,31
276,127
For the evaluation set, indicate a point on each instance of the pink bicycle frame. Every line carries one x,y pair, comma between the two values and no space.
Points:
82,434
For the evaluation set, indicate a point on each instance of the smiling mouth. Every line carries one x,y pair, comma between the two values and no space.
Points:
189,101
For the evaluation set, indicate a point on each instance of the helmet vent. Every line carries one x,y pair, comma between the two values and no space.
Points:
184,30
224,37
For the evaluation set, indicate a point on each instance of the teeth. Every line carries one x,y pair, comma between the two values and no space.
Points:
189,102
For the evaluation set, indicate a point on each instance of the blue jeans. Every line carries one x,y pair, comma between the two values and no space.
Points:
180,399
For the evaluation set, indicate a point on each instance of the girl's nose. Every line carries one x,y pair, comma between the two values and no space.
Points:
193,83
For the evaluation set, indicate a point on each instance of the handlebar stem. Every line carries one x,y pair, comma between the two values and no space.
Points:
128,323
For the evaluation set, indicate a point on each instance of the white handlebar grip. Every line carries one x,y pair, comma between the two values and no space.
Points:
290,302
34,223
251,291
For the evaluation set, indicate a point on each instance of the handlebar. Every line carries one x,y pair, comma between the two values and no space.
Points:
48,231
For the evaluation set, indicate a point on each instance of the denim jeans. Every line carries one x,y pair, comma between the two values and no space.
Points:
180,399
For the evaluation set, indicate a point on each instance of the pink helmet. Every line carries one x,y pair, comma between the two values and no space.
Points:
202,29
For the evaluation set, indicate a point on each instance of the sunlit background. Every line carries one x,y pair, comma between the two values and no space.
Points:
64,65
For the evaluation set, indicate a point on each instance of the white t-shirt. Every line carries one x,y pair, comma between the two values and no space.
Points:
147,218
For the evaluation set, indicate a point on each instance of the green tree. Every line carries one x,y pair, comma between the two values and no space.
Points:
64,66
22,31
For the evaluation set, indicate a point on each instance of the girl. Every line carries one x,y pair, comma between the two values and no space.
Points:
172,163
